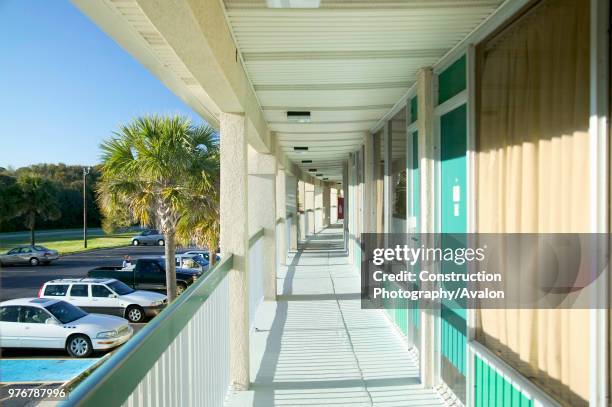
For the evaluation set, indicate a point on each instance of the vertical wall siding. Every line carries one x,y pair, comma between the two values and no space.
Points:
493,390
194,369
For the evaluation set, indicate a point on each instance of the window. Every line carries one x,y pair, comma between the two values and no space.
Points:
65,312
40,248
120,288
79,290
25,250
9,314
100,291
13,251
33,315
56,290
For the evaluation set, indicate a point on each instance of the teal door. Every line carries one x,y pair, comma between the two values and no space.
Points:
453,219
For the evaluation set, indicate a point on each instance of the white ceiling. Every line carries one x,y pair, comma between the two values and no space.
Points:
348,62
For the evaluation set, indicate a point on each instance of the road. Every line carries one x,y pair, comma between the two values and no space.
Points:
25,281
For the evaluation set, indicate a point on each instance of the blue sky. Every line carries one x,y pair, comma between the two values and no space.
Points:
65,85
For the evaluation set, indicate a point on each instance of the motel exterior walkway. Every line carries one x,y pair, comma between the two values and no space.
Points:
315,346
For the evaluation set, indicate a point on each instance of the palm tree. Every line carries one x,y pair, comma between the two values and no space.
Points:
200,222
37,199
151,167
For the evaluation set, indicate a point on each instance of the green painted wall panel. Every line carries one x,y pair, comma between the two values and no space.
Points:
492,390
452,80
414,111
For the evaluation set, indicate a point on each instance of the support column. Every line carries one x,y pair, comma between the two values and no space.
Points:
309,206
318,204
345,209
292,209
387,179
281,217
262,213
369,221
302,218
235,239
326,205
427,172
333,197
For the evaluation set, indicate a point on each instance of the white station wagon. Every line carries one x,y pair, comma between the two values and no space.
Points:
105,296
52,324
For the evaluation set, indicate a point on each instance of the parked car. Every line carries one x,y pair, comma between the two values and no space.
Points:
148,237
147,274
205,254
190,261
105,296
54,324
29,254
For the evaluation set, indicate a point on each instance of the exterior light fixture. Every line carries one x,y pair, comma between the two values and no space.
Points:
293,3
312,170
298,117
306,161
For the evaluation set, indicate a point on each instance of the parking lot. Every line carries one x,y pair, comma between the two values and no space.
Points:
43,368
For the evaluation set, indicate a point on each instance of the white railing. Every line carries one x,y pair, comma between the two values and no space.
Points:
256,274
181,358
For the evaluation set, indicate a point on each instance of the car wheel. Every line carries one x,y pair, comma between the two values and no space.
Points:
135,242
34,261
134,314
79,346
161,242
180,288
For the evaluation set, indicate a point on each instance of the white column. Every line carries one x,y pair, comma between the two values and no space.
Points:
333,197
302,218
235,239
369,221
387,180
309,206
427,172
292,209
345,209
318,204
281,216
262,213
326,204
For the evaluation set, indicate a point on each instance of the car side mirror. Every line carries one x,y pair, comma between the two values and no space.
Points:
50,321
112,296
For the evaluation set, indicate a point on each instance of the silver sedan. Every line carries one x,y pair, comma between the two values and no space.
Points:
32,255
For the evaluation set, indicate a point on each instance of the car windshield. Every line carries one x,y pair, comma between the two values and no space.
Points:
65,312
120,288
201,261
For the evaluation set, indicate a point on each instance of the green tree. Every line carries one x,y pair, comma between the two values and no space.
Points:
37,200
9,198
200,221
151,168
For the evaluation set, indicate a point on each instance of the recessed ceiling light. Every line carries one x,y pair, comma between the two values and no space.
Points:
300,148
312,170
319,175
306,161
298,117
325,179
293,3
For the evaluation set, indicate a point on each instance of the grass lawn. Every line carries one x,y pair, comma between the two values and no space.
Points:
68,241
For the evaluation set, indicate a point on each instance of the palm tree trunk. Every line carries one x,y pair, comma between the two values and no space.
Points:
170,251
32,233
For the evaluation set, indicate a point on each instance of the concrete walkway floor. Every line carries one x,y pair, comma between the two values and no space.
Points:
316,347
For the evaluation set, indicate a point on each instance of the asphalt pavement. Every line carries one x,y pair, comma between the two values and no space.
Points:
25,281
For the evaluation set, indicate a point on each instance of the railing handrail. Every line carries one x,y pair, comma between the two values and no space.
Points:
255,237
113,382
